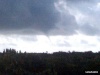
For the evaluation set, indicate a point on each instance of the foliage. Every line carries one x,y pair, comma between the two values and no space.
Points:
58,63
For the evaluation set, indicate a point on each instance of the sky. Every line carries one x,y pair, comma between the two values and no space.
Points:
50,25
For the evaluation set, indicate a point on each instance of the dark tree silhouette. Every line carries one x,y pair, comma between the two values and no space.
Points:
13,62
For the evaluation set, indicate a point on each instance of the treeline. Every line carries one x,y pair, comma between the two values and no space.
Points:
58,63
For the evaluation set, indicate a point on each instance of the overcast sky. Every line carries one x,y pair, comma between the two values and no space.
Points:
50,25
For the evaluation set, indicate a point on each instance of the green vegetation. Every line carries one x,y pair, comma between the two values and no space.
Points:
58,63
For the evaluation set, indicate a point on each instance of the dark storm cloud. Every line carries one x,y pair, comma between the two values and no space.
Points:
42,17
22,14
35,17
67,25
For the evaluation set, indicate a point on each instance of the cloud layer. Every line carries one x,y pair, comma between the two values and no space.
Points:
27,14
68,24
51,17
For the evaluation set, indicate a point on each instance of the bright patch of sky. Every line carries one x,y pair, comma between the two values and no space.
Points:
51,44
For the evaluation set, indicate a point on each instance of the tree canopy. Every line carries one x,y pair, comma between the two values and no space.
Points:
58,63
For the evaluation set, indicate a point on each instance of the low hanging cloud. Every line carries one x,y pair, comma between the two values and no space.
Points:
49,17
67,24
37,15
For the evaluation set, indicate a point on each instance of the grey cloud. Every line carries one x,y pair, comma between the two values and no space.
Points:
34,14
29,38
91,45
41,17
82,0
84,42
35,17
87,8
65,44
67,24
82,5
8,45
98,38
89,30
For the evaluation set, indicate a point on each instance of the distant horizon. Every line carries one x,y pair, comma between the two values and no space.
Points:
47,51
